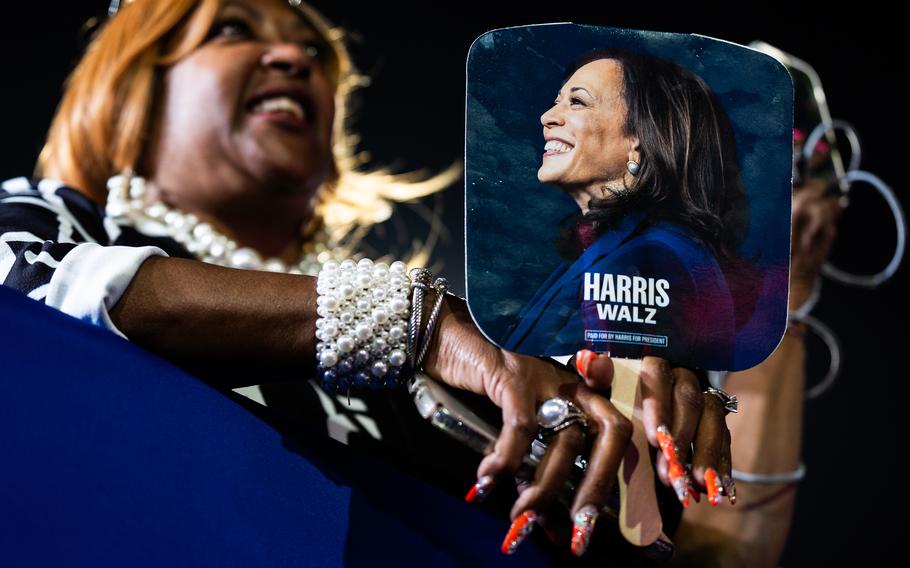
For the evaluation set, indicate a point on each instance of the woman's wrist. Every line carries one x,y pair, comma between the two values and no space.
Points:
445,327
800,292
457,351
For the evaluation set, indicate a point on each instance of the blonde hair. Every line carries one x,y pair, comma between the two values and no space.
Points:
103,120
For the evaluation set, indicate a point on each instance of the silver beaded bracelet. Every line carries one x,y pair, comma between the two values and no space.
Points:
368,332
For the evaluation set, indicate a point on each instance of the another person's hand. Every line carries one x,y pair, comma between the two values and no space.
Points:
814,217
679,418
464,358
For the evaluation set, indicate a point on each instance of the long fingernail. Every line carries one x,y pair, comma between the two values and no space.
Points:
479,490
582,359
680,482
712,482
678,478
730,489
667,444
520,529
584,525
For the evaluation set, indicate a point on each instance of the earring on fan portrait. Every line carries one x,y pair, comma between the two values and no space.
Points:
633,167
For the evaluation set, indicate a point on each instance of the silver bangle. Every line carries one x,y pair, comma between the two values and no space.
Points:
420,281
442,286
788,477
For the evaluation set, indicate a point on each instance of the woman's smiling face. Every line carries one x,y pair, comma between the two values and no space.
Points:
248,114
586,144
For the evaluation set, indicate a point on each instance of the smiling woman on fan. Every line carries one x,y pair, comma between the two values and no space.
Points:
647,153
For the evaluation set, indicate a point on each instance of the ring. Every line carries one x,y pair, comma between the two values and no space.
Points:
728,400
557,414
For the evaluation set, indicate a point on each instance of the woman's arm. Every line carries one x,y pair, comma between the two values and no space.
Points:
56,248
231,327
767,438
233,324
767,433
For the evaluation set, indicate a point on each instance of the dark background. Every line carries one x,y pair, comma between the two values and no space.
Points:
850,503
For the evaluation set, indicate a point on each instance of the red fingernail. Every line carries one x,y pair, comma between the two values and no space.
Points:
667,444
714,487
678,478
520,529
680,482
480,489
582,359
583,527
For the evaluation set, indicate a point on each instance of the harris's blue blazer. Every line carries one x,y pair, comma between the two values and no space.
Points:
696,328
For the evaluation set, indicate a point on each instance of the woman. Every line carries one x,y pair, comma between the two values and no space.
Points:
232,114
769,441
644,149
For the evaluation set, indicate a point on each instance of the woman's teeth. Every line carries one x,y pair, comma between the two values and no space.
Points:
557,147
280,104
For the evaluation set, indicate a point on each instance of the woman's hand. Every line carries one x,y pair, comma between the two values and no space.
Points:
677,415
519,384
814,217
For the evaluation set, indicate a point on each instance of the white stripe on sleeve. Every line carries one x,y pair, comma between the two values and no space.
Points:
43,257
91,278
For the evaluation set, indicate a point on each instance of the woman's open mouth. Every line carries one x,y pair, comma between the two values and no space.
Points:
282,110
555,147
286,105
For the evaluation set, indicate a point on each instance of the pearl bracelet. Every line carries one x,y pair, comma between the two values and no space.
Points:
362,329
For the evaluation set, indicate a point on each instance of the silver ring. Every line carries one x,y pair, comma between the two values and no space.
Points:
557,414
728,400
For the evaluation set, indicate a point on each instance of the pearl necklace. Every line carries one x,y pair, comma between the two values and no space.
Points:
125,204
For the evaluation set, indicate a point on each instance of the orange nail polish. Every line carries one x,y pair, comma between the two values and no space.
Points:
680,482
583,527
520,529
582,359
480,489
712,481
667,444
678,477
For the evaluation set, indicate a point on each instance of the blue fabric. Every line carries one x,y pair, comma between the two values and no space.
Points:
110,456
699,323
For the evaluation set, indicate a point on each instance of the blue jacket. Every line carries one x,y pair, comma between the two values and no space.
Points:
695,326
